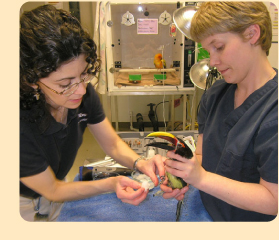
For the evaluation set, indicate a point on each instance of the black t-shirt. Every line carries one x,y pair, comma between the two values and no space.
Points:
241,143
58,145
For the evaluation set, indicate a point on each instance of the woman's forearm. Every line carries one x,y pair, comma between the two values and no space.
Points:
47,185
248,196
112,144
123,154
262,197
69,191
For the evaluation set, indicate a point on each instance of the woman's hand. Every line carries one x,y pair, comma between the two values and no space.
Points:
124,188
178,194
190,170
152,167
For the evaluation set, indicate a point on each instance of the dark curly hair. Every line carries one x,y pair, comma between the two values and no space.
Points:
49,37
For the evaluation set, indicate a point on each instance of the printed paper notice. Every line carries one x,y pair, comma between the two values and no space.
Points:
274,18
147,26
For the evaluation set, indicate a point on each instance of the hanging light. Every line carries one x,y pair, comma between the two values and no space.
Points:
182,19
202,75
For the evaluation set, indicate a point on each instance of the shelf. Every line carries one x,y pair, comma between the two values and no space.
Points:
150,91
113,102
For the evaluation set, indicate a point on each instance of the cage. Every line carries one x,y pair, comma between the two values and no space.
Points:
136,32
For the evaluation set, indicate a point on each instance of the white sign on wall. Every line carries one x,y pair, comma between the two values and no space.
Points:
147,26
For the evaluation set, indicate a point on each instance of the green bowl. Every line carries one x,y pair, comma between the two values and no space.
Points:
135,78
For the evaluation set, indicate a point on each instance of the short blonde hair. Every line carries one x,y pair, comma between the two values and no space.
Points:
221,17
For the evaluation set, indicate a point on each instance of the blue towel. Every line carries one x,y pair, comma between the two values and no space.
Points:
108,208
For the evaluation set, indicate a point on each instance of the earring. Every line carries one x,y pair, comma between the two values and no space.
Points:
37,93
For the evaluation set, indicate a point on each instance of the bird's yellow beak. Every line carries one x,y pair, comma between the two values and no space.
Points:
165,135
158,134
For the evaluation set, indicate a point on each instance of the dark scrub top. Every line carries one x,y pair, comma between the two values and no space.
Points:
241,143
58,145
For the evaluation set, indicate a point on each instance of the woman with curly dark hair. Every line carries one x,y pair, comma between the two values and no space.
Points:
57,62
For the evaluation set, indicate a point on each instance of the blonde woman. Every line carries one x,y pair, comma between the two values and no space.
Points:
235,166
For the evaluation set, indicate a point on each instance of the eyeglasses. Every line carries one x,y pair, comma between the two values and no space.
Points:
73,87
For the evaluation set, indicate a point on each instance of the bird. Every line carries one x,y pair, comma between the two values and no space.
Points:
159,62
182,148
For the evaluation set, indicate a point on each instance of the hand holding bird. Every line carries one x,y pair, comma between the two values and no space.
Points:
182,148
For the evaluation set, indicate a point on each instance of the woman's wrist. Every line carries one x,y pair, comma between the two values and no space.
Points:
136,162
106,185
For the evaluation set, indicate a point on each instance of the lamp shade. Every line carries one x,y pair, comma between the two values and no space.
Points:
182,19
199,73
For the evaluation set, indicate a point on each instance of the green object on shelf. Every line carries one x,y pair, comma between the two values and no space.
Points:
135,78
159,77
